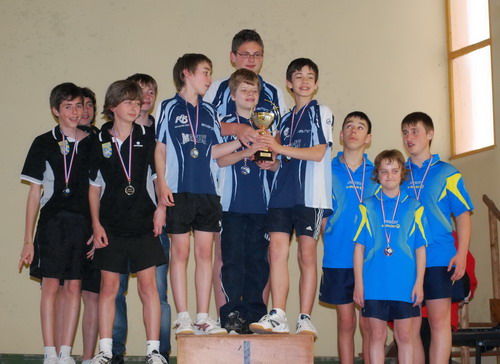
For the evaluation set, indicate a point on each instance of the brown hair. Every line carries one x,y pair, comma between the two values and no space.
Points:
189,62
243,75
391,155
144,79
118,92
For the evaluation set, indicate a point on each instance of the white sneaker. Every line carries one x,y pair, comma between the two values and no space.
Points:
272,323
208,326
305,326
155,358
183,326
66,360
51,359
101,358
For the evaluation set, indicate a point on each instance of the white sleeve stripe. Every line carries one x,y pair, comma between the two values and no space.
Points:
31,179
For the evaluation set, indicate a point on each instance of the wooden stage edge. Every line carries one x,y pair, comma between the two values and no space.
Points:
245,349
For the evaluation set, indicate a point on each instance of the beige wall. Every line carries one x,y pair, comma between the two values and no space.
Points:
386,58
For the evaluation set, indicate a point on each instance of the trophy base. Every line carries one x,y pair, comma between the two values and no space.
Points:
263,156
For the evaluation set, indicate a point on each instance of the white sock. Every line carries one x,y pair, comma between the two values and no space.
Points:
201,316
183,315
65,351
106,346
152,345
49,351
280,312
88,361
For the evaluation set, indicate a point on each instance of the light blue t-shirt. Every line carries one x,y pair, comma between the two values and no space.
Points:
390,277
443,195
340,227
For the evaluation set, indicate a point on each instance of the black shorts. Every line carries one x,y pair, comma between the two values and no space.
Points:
389,310
138,253
337,286
194,212
305,220
93,283
61,247
438,284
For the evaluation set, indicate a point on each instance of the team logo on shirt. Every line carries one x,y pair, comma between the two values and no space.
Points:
107,151
64,146
286,132
183,119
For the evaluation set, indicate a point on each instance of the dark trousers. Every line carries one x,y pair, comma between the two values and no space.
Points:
245,269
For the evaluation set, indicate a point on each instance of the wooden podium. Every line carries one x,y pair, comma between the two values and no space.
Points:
245,349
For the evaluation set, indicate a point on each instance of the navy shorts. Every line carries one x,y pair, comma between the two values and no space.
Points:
61,247
389,310
194,212
305,220
337,286
438,284
138,253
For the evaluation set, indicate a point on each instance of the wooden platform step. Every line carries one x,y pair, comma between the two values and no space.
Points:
245,349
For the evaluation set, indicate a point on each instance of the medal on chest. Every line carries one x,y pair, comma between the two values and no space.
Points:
388,251
129,190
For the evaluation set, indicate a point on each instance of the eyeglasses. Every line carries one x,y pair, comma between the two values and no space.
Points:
256,55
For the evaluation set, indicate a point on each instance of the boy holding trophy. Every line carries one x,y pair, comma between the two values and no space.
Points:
300,193
245,195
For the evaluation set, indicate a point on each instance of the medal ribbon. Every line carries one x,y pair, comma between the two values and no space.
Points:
292,130
194,132
67,171
360,197
417,195
388,235
128,174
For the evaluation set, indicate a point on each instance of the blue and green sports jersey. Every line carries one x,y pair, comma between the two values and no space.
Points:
443,195
340,227
390,277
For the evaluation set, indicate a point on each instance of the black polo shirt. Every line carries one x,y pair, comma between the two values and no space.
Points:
121,214
44,166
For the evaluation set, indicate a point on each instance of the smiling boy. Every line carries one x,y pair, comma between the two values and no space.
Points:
125,219
57,165
300,193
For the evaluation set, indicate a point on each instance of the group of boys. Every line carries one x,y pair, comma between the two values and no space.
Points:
217,177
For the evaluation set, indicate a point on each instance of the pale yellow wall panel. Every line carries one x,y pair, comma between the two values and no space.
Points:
387,58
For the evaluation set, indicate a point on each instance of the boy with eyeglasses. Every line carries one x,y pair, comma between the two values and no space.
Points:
247,51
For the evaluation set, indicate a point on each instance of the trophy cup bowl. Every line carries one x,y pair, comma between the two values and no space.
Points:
262,120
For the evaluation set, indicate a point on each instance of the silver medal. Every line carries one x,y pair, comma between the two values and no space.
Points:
388,251
245,170
129,190
66,191
194,153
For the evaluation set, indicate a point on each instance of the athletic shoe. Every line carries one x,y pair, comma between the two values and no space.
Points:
155,358
101,358
305,326
183,326
236,323
51,359
272,323
66,360
208,326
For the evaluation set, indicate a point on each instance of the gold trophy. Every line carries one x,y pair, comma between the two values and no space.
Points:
263,119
